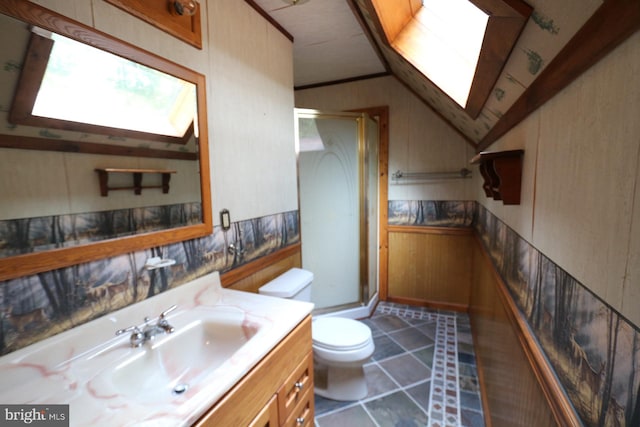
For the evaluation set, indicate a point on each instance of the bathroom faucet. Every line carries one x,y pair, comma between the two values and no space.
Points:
149,331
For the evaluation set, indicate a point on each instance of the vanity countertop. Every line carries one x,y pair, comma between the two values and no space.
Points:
78,367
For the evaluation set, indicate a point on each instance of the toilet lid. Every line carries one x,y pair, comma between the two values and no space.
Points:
339,333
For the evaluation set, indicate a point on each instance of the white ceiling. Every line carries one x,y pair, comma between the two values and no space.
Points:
329,43
561,40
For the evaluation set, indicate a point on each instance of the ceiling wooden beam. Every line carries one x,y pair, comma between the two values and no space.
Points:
612,23
268,17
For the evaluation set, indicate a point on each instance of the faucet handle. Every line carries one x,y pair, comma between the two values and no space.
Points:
167,311
137,337
135,329
162,321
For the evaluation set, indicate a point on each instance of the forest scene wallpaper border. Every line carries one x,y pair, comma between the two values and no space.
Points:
431,213
33,308
594,350
27,235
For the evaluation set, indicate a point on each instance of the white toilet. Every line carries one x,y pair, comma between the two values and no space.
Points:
341,346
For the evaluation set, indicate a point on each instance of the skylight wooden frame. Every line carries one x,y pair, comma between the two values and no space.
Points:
507,19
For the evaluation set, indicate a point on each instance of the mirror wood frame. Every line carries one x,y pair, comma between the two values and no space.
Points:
37,262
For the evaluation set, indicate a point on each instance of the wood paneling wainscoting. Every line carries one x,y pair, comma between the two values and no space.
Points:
519,387
430,266
249,277
449,268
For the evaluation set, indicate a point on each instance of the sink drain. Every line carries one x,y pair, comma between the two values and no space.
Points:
180,388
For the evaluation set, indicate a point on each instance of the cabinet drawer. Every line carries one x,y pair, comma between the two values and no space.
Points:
295,387
302,414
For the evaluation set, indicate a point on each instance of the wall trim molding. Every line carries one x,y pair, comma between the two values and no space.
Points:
421,229
462,308
230,277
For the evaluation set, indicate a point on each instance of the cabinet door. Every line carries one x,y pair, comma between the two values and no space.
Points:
268,416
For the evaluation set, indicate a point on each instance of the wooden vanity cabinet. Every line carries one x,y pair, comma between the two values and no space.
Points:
268,416
278,391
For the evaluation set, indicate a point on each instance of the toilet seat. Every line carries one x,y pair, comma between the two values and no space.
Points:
340,334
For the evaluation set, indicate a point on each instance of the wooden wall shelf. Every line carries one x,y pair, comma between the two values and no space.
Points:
103,175
502,174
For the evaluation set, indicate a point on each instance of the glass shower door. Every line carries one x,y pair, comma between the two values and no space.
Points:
334,214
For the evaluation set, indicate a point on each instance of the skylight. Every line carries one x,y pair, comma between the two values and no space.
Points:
460,47
444,42
456,31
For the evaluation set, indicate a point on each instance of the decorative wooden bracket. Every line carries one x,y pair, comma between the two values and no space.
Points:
103,175
502,173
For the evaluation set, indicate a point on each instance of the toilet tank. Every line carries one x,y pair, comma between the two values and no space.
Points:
294,284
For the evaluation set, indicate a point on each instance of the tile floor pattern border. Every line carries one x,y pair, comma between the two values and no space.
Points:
447,397
445,393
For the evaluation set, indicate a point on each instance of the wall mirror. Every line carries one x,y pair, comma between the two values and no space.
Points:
54,210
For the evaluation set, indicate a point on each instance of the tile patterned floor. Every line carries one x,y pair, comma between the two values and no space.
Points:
422,373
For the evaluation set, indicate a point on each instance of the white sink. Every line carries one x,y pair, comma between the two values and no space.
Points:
172,364
220,335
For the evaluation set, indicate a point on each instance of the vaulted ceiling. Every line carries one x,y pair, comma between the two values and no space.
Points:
342,40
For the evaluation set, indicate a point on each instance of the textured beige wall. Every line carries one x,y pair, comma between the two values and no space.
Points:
581,200
631,283
581,179
40,183
251,113
420,141
520,218
249,72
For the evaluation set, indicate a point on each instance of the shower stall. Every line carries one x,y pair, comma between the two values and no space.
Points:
338,190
